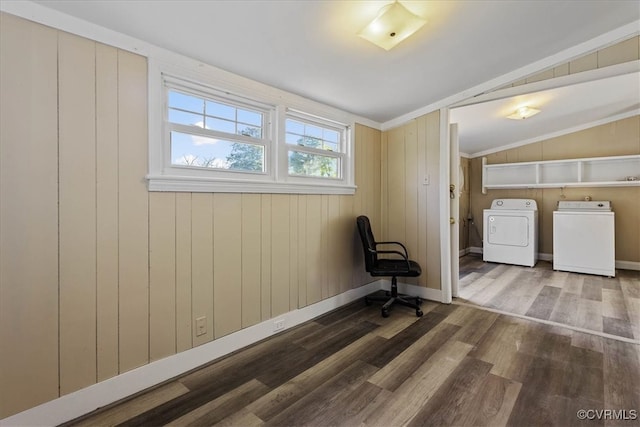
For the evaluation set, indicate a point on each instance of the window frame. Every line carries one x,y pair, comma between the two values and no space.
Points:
276,107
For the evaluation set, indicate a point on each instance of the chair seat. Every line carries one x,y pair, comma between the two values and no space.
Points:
394,267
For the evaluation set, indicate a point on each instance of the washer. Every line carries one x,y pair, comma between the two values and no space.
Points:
510,232
584,237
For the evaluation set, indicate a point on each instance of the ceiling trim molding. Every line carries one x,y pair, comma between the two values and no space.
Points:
609,38
556,134
61,21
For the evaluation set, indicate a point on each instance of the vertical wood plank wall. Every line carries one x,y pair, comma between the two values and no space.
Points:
99,276
411,209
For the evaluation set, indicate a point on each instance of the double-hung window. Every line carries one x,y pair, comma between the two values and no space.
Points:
216,141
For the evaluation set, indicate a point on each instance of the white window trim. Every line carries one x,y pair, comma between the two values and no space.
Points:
165,177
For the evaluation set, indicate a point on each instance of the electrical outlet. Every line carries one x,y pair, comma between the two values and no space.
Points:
201,325
278,325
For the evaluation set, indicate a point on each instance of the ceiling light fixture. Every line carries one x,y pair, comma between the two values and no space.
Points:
393,24
523,113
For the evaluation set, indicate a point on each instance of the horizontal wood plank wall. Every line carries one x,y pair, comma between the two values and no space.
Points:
411,210
618,138
99,276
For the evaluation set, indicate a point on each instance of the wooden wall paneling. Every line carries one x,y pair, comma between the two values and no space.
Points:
202,265
584,63
313,243
28,215
106,211
411,192
184,311
433,200
396,221
293,252
334,244
360,167
280,254
348,245
324,245
133,249
384,184
251,259
423,204
302,251
376,178
625,51
77,210
162,275
265,280
227,263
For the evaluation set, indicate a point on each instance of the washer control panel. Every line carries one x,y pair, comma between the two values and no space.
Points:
515,204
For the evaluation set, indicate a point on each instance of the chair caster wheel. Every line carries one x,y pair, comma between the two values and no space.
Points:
367,301
419,313
418,301
385,313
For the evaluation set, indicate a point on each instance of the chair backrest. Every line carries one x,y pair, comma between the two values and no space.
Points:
368,242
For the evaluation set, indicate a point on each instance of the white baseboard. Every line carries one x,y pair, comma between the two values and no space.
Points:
81,402
623,265
464,251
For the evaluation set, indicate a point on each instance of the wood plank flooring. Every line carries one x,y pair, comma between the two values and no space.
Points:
596,303
457,365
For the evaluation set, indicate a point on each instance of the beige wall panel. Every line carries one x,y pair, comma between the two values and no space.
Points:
227,263
133,204
360,168
585,63
348,245
334,244
375,178
106,211
422,256
622,52
433,200
561,70
280,250
324,246
396,220
302,251
463,224
265,280
77,209
162,275
411,191
251,259
548,74
293,252
28,215
314,252
184,318
202,264
384,183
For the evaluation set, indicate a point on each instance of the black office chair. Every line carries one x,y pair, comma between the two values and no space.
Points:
393,267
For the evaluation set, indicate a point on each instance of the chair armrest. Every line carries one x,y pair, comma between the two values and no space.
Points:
406,254
404,257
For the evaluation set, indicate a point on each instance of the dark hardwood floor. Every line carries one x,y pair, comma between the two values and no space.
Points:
457,365
610,306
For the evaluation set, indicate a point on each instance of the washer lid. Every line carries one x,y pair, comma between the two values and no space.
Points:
515,204
581,206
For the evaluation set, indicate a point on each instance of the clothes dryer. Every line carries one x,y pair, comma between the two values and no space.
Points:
510,234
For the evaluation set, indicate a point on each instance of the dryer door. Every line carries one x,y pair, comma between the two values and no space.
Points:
508,230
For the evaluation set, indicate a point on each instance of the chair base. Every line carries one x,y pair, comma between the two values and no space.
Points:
394,297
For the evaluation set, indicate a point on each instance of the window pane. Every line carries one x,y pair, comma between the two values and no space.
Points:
313,131
221,125
185,102
293,126
331,136
183,118
196,150
252,131
312,165
221,110
250,117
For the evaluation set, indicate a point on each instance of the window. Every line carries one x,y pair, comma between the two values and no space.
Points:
209,140
314,148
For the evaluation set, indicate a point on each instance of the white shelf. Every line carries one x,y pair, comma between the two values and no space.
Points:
590,172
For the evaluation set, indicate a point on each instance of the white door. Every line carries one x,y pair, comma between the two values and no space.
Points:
454,206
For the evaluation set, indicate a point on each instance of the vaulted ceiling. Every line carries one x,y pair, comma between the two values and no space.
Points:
311,47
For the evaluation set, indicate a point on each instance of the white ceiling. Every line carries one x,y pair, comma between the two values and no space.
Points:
310,47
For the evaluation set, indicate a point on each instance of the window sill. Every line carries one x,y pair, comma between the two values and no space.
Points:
203,185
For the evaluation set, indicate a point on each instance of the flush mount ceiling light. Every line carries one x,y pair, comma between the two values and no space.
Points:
393,24
523,113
